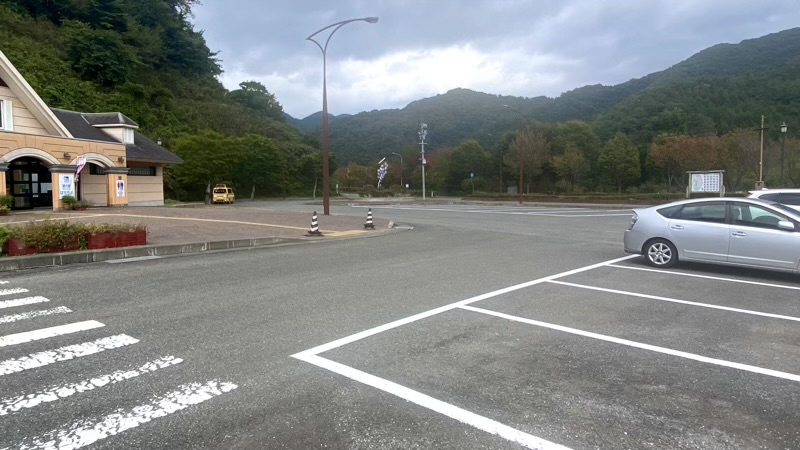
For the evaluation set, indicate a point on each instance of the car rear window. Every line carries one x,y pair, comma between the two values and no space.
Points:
219,191
669,211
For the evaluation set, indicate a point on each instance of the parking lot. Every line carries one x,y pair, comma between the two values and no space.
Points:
611,355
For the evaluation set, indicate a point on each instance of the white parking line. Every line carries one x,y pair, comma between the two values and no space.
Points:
708,277
83,433
44,333
454,412
12,291
653,348
48,357
672,300
4,282
31,314
53,393
311,356
22,301
397,323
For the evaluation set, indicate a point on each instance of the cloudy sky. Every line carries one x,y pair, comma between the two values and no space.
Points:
421,48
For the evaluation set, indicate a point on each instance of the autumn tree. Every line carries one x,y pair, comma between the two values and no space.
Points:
570,166
535,150
675,155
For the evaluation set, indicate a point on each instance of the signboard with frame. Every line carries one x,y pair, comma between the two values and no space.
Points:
706,182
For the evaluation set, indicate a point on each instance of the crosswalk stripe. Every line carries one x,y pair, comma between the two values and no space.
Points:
22,301
12,291
48,357
31,314
53,393
83,433
44,333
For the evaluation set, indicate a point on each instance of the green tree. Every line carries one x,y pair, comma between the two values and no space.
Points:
619,161
253,95
535,150
570,167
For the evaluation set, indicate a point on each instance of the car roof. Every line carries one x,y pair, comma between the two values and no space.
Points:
757,201
776,191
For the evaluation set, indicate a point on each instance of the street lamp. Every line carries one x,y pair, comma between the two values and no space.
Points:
401,169
784,129
326,189
519,150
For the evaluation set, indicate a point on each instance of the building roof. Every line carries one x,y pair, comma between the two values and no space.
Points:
109,119
142,149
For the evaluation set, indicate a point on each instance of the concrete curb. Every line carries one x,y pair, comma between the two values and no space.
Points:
89,256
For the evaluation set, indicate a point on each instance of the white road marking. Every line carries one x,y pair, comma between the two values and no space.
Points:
53,393
397,323
426,401
22,301
708,277
45,358
83,433
12,291
4,282
134,259
44,333
312,356
673,300
31,314
653,348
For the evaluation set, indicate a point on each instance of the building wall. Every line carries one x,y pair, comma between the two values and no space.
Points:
146,190
24,121
57,146
93,188
115,133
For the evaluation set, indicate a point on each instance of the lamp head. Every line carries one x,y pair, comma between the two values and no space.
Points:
371,19
784,127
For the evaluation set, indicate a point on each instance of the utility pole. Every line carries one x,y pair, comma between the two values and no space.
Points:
423,133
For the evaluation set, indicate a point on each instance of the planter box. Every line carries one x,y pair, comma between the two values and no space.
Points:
114,240
16,248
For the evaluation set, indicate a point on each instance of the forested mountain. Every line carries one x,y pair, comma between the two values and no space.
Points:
719,89
145,59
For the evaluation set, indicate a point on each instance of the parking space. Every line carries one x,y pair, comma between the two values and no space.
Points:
612,355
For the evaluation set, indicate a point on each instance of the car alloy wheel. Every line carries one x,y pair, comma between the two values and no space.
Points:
661,253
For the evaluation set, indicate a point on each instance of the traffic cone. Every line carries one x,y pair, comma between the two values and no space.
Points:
314,230
369,223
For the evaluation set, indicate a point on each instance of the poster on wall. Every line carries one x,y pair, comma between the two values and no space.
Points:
66,185
120,189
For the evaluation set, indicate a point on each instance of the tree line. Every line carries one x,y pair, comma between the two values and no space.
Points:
570,158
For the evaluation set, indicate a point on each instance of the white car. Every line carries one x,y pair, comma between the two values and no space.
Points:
734,231
789,197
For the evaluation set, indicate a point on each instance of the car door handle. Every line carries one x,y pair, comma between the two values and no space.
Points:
738,234
676,227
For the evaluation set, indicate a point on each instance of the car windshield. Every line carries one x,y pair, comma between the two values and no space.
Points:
784,208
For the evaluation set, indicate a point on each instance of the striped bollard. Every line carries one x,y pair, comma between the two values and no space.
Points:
314,230
369,223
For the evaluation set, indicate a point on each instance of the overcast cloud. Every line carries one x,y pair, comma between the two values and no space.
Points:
421,48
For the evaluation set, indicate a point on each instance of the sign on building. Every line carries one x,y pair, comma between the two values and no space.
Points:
66,185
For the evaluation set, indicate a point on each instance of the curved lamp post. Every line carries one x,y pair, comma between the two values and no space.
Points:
521,154
402,186
326,189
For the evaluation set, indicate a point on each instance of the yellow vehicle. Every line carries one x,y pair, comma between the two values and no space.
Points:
222,194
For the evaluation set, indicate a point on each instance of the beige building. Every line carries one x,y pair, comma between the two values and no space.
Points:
47,153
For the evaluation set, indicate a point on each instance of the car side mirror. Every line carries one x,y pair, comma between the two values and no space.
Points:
786,225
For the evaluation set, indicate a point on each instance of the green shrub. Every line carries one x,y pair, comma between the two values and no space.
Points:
69,201
5,234
6,201
49,234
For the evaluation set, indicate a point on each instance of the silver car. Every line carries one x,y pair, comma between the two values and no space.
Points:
735,231
789,197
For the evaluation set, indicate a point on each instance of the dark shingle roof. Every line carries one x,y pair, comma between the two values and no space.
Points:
143,149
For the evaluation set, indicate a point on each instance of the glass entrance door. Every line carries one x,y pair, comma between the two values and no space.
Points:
31,184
